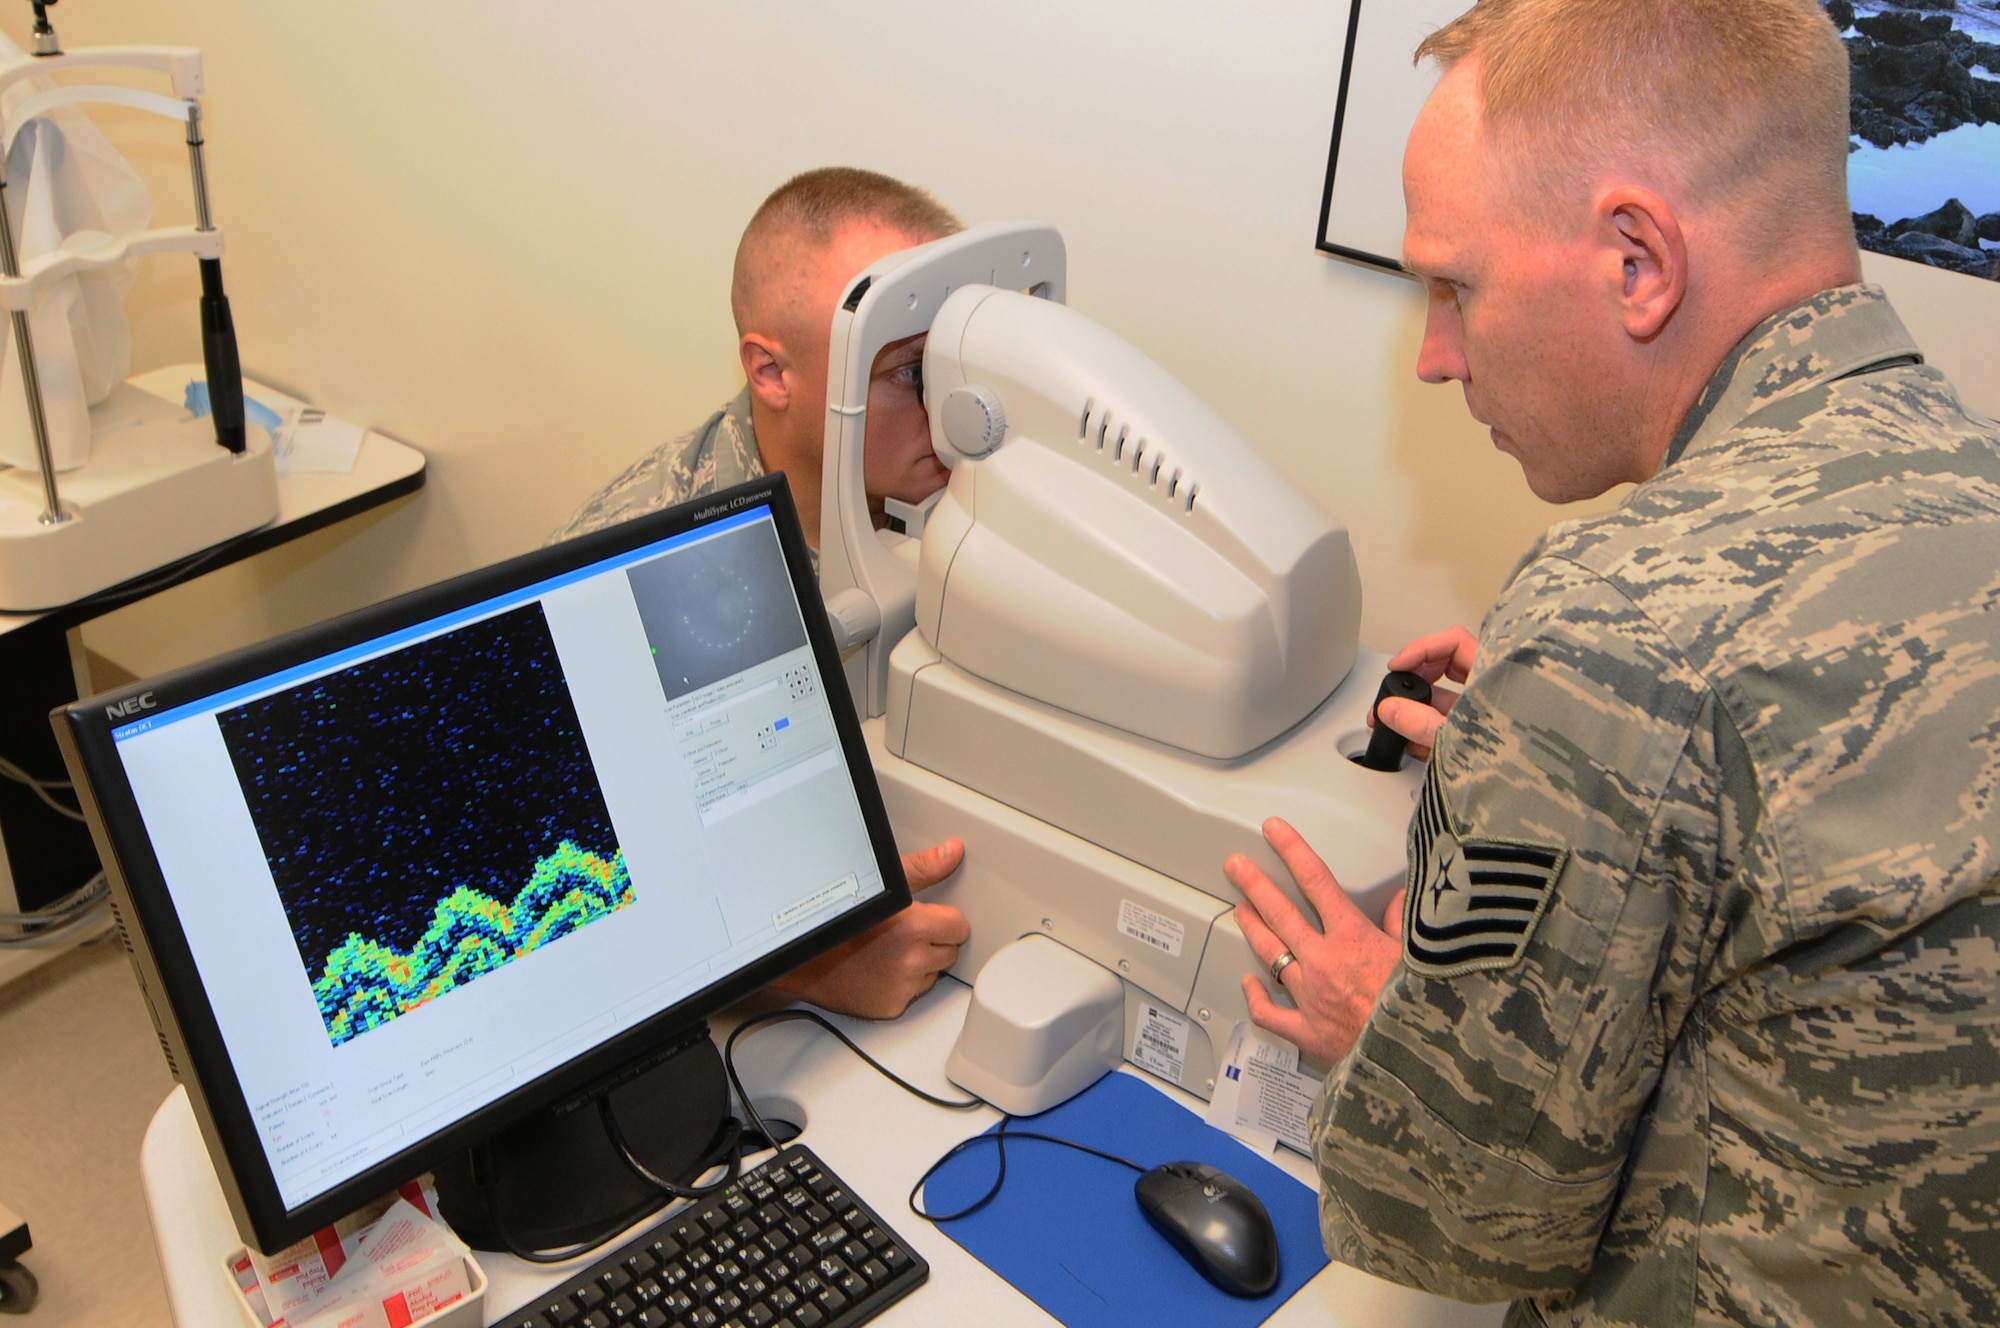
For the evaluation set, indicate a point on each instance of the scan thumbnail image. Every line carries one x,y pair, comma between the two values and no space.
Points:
429,816
717,607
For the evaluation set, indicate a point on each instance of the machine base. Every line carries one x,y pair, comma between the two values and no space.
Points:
157,488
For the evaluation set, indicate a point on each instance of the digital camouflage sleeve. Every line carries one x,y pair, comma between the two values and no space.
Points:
1699,1015
719,452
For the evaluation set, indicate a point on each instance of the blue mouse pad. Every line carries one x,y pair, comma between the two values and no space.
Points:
1067,1231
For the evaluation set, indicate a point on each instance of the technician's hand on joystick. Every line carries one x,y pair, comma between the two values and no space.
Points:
1336,973
1446,654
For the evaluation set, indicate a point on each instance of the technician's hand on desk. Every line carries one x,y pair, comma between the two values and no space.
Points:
878,973
1334,975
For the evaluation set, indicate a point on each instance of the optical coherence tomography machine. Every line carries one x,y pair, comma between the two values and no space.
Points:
1103,655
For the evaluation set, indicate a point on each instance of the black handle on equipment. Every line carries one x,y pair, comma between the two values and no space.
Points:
218,353
1385,745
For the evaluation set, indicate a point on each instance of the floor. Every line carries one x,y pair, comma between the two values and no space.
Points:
80,1076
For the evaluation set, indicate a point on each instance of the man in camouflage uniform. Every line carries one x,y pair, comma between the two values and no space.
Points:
1695,1012
798,254
805,243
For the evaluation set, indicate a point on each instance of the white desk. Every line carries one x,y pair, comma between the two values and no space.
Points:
878,1138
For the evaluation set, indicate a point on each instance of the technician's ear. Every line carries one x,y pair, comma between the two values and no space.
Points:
1643,234
764,364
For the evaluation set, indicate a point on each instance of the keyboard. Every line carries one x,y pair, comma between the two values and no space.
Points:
787,1245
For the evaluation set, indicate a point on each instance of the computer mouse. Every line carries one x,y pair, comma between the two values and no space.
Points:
1215,1221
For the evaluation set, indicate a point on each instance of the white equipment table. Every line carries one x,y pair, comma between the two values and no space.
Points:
875,1136
51,857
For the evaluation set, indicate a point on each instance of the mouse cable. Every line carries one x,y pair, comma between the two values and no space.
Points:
793,1014
999,1139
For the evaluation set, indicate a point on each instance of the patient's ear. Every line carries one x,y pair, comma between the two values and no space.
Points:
1641,232
764,366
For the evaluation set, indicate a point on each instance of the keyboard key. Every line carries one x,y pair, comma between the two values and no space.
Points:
874,1271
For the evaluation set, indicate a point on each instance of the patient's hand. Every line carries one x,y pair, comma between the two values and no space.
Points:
1446,654
1337,973
878,973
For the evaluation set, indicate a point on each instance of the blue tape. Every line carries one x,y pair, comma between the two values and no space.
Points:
255,411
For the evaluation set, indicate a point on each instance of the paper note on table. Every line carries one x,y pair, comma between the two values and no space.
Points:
317,442
1260,1096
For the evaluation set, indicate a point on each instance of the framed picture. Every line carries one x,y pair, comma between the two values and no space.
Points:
1923,164
1381,91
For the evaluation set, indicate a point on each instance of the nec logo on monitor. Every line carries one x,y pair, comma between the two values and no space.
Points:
127,708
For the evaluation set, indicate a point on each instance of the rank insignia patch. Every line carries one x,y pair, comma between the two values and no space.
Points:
1473,903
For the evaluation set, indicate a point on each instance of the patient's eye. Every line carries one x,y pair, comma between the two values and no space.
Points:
909,376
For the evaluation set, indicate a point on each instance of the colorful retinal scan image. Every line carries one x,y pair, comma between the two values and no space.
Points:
429,816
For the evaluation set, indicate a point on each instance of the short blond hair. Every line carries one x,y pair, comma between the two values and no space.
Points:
807,210
1738,102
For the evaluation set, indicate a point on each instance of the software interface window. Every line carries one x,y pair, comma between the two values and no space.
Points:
475,849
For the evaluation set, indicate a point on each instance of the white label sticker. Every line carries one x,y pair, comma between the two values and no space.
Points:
1149,927
1160,1043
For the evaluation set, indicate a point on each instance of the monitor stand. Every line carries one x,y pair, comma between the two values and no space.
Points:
556,1179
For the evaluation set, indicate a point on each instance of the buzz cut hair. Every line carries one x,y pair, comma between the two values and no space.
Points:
807,210
814,203
1741,104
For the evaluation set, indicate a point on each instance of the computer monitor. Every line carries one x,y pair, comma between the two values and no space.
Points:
438,871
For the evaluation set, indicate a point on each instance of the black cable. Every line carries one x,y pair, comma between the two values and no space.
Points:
787,1016
723,1151
483,1152
999,1139
173,573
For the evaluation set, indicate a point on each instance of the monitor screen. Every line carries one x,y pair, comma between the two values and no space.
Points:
435,859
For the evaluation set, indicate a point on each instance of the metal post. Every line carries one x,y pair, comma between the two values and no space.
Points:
31,381
197,169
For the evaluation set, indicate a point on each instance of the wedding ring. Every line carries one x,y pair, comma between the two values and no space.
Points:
1280,964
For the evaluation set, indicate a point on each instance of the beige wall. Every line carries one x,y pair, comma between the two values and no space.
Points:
501,231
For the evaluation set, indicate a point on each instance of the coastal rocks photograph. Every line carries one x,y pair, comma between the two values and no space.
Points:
1924,163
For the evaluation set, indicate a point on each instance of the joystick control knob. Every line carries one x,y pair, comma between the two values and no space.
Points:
1385,745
